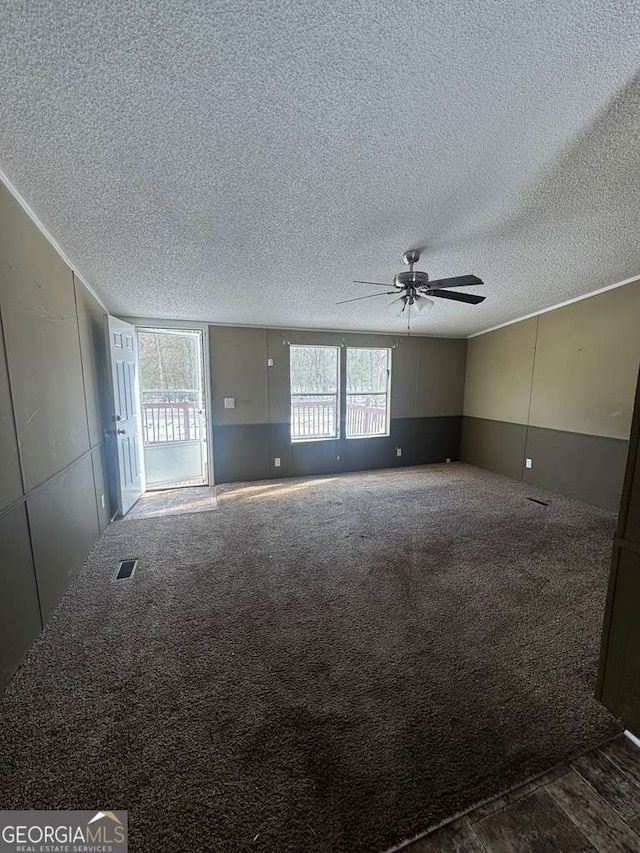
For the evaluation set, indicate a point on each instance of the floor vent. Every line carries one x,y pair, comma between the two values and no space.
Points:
536,501
127,569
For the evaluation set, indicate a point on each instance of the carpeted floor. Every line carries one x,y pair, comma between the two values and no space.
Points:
321,665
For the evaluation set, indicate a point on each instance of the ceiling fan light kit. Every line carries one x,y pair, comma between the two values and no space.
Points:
415,289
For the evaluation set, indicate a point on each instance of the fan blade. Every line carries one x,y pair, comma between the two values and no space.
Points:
471,298
377,283
370,296
458,281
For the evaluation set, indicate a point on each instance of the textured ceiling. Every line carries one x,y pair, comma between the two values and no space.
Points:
243,162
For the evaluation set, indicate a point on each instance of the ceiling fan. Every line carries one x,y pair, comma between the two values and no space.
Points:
412,289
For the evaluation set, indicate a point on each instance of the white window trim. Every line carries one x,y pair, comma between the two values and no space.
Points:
305,439
342,393
386,392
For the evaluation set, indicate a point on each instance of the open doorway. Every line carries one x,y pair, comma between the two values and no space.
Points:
173,407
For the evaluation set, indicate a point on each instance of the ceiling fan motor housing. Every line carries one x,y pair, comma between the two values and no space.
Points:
411,278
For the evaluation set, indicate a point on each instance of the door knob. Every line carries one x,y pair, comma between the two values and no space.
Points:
121,431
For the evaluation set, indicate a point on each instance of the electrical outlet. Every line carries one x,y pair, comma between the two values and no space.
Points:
269,362
528,463
229,402
276,461
102,500
398,451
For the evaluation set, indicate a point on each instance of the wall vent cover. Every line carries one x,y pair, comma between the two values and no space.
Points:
126,569
536,501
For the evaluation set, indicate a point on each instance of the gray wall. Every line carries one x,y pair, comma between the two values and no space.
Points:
52,461
557,389
426,405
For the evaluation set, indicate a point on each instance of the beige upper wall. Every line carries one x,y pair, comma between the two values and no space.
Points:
238,357
53,385
427,374
440,376
38,306
586,366
50,498
498,375
572,369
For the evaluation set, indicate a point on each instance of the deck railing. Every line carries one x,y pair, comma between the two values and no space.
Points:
317,419
163,422
365,420
170,422
313,418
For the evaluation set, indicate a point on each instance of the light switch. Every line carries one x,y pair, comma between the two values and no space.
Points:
229,402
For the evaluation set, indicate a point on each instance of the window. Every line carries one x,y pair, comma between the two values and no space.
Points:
317,408
367,392
314,392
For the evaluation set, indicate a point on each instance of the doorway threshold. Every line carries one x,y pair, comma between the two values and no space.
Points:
181,501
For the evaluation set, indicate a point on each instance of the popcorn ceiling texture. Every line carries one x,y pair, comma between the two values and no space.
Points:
243,162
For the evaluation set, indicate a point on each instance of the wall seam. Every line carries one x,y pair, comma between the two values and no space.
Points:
33,562
95,491
14,416
23,498
417,386
82,370
528,424
265,367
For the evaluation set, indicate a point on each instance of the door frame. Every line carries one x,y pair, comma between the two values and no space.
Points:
142,323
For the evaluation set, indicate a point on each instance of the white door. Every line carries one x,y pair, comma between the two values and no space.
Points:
127,424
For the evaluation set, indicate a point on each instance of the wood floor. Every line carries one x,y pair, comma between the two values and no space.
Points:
591,805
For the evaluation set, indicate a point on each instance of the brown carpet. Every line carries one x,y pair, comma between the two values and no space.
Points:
321,665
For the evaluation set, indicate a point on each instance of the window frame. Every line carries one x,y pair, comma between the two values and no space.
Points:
338,396
386,392
341,395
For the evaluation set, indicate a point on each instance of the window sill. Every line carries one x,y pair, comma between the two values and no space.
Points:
374,435
316,439
337,438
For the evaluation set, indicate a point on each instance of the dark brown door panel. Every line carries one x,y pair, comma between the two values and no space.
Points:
619,676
